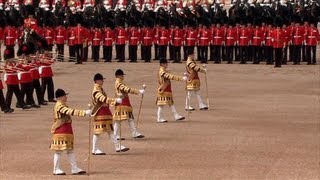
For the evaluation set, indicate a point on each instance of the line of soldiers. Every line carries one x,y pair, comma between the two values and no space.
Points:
24,76
104,121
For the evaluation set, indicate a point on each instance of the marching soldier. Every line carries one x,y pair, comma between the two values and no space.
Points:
193,83
134,40
103,116
290,31
26,83
31,22
156,42
12,81
108,42
3,105
287,40
212,31
124,111
303,47
164,95
312,38
46,75
36,80
62,133
96,42
59,39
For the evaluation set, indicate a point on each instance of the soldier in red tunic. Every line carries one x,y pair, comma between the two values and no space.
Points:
134,36
203,43
121,38
278,42
163,41
108,41
10,35
177,41
80,40
46,75
3,104
244,43
12,81
313,38
258,37
218,40
62,133
191,39
96,40
298,35
59,40
268,50
71,41
230,41
49,34
147,35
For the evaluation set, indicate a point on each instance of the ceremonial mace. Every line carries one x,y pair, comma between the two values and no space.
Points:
207,93
139,112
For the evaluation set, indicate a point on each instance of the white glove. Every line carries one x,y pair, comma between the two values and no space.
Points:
185,78
19,76
119,100
141,91
88,112
5,77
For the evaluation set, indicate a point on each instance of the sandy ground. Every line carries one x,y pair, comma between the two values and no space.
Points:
263,123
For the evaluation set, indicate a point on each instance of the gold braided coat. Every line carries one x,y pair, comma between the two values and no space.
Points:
164,95
124,110
193,83
61,129
101,112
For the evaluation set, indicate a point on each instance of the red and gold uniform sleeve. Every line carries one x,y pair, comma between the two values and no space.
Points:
191,65
98,95
122,88
164,74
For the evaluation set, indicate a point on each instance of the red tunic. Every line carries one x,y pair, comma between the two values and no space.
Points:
10,35
96,37
60,35
177,37
71,36
218,36
80,35
191,37
204,37
121,36
298,35
108,39
312,36
278,38
258,36
45,70
147,36
134,36
244,37
49,34
11,77
230,36
164,37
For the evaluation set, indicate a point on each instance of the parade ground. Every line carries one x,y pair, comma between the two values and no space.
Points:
263,123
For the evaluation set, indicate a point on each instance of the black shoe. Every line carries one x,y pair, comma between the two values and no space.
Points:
78,63
147,61
99,154
182,118
123,150
60,174
122,139
190,109
120,61
277,66
133,61
26,107
79,173
8,110
139,137
43,103
107,61
52,100
35,106
205,108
